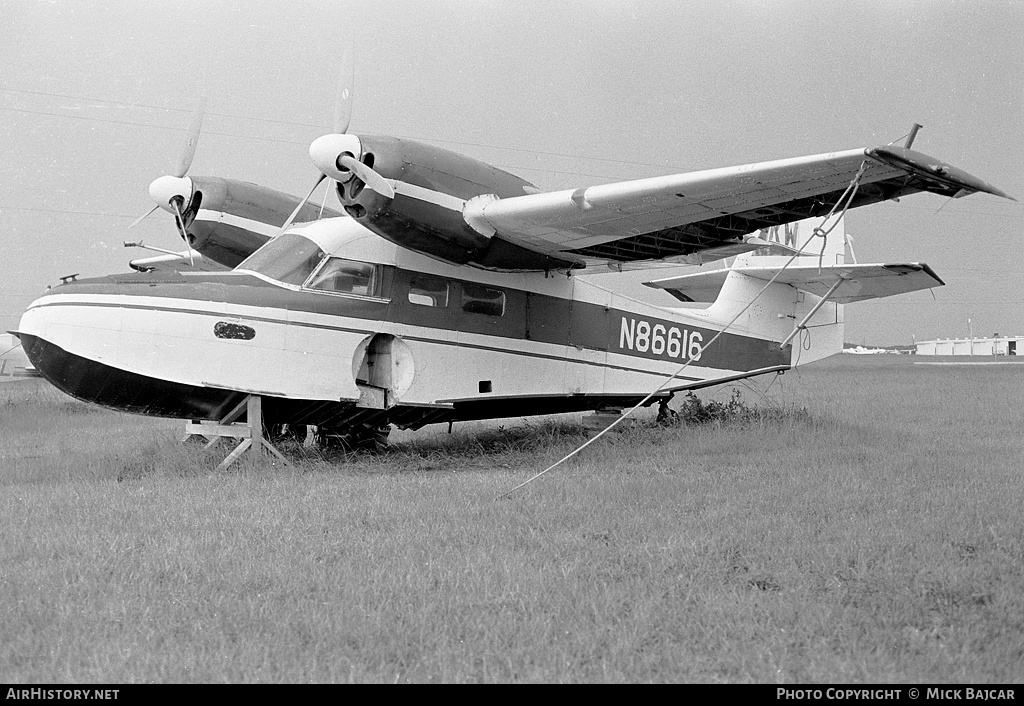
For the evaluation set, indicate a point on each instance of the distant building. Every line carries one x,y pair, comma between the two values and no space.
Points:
995,346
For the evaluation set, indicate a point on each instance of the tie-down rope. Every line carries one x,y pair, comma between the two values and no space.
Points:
820,232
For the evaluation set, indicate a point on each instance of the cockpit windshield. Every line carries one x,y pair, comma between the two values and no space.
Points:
288,258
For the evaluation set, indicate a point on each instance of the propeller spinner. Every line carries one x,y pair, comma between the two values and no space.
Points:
338,156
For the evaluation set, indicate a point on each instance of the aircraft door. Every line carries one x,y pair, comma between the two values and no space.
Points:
588,344
547,322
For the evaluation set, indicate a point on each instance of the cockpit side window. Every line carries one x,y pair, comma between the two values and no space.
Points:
345,277
426,290
288,258
477,299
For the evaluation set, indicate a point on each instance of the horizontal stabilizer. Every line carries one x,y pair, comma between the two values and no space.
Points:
859,282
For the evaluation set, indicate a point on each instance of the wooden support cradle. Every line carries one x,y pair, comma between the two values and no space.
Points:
250,432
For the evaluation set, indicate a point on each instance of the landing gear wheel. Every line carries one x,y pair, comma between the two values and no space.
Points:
361,438
666,415
277,433
297,432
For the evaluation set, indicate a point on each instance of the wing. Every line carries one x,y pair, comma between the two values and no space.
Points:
857,282
681,215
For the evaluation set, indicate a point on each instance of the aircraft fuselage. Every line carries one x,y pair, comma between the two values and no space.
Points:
406,339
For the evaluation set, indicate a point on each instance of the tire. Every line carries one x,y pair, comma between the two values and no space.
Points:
353,439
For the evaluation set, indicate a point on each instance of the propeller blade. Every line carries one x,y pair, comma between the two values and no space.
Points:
189,151
372,179
298,208
143,217
343,97
323,204
180,220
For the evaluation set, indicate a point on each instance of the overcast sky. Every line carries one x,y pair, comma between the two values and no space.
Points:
95,98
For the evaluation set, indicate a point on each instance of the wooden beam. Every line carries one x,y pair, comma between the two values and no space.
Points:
249,432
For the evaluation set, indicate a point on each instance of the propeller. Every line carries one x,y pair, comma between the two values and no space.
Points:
337,155
343,94
172,191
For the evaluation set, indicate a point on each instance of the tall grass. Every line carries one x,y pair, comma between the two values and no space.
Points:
866,528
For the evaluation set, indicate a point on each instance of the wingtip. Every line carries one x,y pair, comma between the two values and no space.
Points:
996,192
989,189
932,168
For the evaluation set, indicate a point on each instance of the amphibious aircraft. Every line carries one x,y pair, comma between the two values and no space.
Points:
448,290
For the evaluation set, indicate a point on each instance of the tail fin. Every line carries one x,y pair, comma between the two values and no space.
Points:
826,249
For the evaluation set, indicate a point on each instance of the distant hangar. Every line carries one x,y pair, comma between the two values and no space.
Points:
994,346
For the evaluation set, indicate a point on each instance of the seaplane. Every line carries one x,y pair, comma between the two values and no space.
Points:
446,289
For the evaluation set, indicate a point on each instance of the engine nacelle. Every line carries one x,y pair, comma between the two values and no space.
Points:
432,186
227,220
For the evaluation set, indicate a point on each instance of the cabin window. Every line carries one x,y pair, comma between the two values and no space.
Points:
428,291
288,258
345,277
482,300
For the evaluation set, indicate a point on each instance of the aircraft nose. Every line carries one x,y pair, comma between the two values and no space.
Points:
74,338
50,361
86,379
111,342
66,333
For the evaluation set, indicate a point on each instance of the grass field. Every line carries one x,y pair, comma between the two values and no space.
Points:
868,531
